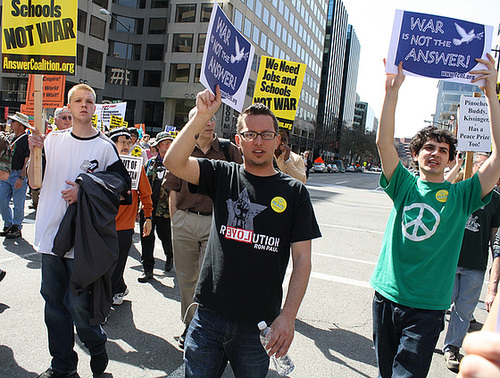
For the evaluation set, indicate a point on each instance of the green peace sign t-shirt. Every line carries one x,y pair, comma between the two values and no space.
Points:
421,245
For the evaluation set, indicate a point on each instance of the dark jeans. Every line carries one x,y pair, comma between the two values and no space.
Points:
162,227
404,337
63,311
124,243
212,340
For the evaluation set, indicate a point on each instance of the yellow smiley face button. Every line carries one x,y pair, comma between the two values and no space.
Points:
278,204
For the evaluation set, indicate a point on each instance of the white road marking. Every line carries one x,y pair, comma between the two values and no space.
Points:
352,228
345,258
342,280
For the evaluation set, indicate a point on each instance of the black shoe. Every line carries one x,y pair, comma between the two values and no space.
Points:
5,231
14,232
146,277
2,274
99,362
49,373
182,338
169,264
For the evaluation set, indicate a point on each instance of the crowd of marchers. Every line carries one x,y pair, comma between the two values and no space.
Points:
231,216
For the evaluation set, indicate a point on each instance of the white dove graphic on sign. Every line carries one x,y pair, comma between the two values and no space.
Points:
465,37
240,54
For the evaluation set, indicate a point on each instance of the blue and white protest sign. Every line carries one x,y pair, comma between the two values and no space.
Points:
437,47
227,60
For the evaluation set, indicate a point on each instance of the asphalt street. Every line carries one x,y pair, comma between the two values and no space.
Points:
333,328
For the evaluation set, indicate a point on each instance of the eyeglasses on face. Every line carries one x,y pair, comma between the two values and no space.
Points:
124,143
66,118
251,135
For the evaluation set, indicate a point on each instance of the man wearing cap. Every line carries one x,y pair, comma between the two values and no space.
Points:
155,172
15,186
192,217
63,118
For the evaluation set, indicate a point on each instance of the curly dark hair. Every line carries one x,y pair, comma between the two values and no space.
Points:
437,134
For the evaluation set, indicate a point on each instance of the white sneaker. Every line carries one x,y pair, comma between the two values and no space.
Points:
118,297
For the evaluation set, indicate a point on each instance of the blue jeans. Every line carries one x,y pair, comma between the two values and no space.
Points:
18,196
63,311
404,338
212,340
466,292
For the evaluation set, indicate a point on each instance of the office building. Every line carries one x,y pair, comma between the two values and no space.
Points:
349,80
328,121
165,48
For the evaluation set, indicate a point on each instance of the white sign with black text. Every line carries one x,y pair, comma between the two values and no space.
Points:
473,132
133,165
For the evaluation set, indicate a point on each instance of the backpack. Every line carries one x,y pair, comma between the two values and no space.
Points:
5,153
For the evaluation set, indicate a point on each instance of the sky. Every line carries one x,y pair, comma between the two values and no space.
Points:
373,21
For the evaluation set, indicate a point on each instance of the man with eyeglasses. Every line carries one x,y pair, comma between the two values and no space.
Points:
261,217
191,216
63,118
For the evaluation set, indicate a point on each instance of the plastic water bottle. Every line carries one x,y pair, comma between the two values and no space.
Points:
283,365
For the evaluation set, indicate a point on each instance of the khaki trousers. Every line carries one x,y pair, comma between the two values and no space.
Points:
189,236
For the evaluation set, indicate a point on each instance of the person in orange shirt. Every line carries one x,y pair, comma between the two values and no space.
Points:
125,220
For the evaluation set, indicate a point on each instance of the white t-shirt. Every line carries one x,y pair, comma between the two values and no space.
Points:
66,157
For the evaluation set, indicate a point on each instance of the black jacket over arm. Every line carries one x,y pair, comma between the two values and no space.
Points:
89,226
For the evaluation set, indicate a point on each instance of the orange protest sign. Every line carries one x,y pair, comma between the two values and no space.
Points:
53,91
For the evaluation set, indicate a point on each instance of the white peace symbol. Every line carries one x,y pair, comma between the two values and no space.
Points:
417,223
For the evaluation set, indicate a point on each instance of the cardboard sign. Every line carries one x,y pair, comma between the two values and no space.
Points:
133,165
227,60
437,47
103,113
53,91
39,36
473,125
278,86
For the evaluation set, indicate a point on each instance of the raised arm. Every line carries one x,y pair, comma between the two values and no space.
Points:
490,170
177,159
385,136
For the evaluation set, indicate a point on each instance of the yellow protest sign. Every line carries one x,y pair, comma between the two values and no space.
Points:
39,36
125,124
94,120
115,122
278,86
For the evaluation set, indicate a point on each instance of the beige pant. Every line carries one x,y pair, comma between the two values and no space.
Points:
189,236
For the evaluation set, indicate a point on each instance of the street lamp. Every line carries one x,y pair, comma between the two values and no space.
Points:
106,12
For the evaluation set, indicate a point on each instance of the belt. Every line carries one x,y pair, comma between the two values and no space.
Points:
199,212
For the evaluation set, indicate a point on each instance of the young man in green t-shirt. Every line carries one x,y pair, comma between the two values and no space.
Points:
414,277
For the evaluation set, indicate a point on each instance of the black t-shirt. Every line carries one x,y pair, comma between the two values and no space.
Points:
20,151
474,252
255,221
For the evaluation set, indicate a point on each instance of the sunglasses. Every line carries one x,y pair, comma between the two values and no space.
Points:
66,118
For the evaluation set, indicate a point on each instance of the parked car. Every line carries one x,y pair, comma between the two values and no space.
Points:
334,168
350,169
320,167
339,165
